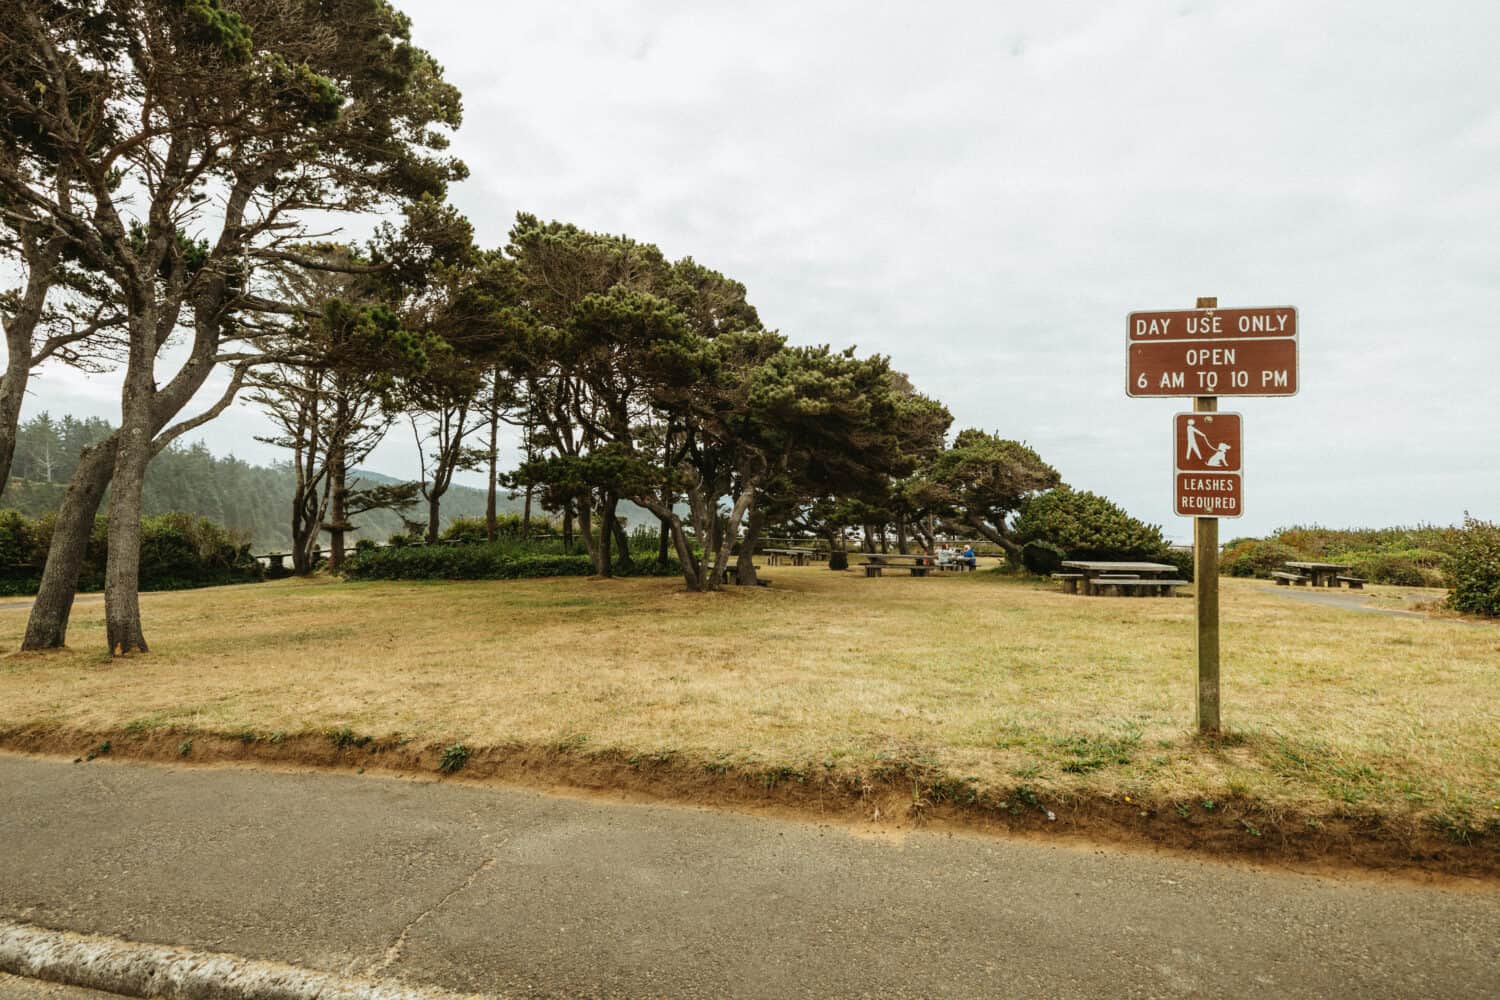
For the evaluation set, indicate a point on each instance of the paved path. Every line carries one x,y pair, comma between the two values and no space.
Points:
479,888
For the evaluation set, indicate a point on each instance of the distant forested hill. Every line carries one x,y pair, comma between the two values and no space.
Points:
251,500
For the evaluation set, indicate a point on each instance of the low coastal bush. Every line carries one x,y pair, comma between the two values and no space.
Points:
1474,569
506,559
178,552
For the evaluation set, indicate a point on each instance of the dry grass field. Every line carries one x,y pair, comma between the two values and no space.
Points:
990,684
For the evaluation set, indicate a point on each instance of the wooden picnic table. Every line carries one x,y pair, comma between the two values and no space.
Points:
1093,569
919,564
799,557
1320,574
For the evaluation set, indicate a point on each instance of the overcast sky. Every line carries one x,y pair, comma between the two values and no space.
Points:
984,190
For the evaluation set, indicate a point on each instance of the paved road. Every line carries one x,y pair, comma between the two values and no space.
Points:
478,888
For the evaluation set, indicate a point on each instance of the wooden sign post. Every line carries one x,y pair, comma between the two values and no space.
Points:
1208,352
1206,591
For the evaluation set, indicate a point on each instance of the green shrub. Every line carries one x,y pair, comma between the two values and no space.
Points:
1181,559
482,561
1042,558
1474,569
365,545
1087,526
1396,569
464,529
178,551
1257,557
402,539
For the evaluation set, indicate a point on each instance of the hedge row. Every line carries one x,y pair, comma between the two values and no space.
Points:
178,552
479,561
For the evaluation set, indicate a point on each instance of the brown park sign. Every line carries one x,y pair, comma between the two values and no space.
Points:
1212,352
1208,464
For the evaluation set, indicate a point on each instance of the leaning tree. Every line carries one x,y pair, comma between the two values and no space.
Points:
979,483
196,142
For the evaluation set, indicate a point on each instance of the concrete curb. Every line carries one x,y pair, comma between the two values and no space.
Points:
150,971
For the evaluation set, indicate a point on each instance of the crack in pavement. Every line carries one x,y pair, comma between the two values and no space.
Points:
393,953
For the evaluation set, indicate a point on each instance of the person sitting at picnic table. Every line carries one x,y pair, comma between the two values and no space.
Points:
969,556
944,555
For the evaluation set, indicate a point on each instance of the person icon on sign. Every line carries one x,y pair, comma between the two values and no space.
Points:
1220,458
1193,434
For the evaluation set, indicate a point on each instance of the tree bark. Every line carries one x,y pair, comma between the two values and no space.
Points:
491,515
526,515
691,572
337,512
607,524
622,544
122,605
434,511
730,530
745,570
47,627
901,545
586,529
568,527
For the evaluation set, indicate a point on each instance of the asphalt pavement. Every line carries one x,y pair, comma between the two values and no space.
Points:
478,888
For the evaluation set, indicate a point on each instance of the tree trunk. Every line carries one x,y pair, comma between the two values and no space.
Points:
901,545
869,531
568,527
663,542
526,515
985,530
605,563
12,394
20,327
882,540
122,572
730,530
47,627
690,571
434,512
622,544
586,530
491,527
745,570
337,515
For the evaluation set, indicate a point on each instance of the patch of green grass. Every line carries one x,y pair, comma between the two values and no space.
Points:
344,738
454,757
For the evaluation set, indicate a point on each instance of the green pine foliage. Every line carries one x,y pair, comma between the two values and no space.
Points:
1087,526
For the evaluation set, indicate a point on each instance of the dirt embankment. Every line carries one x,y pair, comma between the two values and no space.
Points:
896,796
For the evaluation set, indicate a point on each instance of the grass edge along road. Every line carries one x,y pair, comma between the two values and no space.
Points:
986,700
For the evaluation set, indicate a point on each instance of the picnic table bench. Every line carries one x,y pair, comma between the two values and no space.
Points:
1097,575
1069,581
917,565
1140,588
1287,579
799,557
1354,582
1321,574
